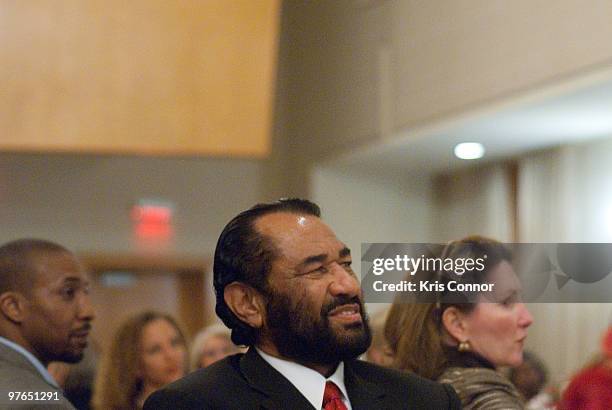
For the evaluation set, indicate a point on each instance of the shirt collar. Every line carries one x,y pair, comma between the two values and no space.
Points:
32,359
308,382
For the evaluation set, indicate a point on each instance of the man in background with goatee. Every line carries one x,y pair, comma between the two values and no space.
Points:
45,316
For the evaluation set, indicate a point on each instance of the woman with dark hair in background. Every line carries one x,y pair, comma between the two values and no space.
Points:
147,352
461,338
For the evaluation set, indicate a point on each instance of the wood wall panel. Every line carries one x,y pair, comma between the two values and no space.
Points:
144,76
169,284
113,305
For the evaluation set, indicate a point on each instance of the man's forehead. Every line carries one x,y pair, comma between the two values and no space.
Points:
57,266
288,230
285,224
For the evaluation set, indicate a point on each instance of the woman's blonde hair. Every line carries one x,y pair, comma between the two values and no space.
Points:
415,339
117,384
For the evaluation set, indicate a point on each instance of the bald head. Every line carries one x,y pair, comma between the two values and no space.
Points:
19,263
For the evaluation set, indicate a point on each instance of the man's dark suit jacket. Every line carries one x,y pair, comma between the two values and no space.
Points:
246,381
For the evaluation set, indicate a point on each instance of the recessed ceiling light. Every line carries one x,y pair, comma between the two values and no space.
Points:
469,150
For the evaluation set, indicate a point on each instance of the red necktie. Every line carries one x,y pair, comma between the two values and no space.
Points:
332,398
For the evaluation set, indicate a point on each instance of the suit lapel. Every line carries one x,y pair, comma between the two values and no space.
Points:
362,394
277,392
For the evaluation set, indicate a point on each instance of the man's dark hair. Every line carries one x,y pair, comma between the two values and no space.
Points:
245,255
17,260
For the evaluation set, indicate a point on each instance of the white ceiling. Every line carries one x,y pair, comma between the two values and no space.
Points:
543,122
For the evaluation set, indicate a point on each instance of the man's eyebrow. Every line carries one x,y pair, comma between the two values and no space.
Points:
313,259
344,252
75,280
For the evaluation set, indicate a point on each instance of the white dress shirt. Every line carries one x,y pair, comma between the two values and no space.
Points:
308,382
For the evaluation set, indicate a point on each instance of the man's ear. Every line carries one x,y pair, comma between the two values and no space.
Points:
12,306
453,321
246,303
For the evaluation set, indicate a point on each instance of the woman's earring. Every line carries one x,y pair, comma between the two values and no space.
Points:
464,346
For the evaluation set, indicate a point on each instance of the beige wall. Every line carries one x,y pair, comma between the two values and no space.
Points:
458,55
84,201
366,71
564,197
476,200
373,208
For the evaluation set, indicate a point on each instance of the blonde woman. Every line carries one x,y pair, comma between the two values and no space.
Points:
147,352
211,344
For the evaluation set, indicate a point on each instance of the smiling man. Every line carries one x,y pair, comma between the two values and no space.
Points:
45,316
285,286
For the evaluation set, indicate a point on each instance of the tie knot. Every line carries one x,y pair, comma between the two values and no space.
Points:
332,394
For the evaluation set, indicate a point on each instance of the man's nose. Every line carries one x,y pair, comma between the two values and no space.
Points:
86,309
343,282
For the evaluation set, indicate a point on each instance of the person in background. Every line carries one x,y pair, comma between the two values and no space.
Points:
211,344
531,379
591,389
148,351
76,380
59,371
45,316
462,339
378,352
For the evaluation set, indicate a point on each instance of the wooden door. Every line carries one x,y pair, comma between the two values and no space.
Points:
124,285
